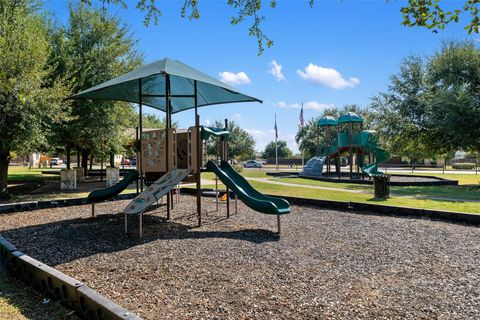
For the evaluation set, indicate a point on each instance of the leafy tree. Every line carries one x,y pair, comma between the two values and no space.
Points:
422,13
283,151
309,137
28,104
240,142
454,78
430,14
400,114
91,49
431,106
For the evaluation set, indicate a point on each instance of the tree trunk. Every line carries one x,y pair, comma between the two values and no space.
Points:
4,162
91,162
68,158
85,155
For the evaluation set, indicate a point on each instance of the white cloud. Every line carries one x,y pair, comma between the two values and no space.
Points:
327,77
237,117
207,122
310,105
234,78
264,137
276,71
317,106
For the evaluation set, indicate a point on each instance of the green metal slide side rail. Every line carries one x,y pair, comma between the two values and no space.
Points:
110,192
249,195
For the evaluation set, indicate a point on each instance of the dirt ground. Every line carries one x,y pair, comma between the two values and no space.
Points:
326,264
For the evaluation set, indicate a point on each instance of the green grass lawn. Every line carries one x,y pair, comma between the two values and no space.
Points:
462,178
415,199
460,192
23,174
305,192
19,302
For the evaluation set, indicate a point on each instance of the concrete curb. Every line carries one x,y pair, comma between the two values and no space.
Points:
73,294
370,208
439,181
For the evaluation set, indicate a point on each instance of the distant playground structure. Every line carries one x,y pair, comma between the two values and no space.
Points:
345,136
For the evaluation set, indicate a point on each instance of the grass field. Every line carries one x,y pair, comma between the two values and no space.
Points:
460,192
454,198
462,178
23,174
305,192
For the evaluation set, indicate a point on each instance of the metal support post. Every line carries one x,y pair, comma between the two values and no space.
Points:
278,224
199,156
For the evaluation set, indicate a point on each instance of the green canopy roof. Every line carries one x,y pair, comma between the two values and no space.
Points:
350,117
153,82
327,121
206,132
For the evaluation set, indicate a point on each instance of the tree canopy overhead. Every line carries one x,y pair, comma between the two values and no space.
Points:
429,14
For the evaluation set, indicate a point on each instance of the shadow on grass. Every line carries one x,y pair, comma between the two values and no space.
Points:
68,240
382,200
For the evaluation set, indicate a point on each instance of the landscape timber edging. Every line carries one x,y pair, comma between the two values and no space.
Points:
439,181
370,208
73,294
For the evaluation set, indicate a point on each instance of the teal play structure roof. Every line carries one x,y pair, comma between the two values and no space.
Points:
152,79
350,117
327,121
206,132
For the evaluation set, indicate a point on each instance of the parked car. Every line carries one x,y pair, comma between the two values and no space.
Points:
133,161
125,162
253,164
56,161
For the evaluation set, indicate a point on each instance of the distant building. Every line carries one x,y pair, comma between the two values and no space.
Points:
460,154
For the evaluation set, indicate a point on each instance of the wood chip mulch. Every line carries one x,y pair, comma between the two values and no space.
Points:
326,264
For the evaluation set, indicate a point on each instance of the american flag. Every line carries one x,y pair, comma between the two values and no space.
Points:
276,130
301,117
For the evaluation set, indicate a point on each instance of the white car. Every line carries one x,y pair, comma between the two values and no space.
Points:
56,161
253,164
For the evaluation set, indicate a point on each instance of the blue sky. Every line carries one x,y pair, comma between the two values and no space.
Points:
336,53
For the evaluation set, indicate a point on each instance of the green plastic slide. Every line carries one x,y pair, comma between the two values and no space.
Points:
249,195
110,192
372,169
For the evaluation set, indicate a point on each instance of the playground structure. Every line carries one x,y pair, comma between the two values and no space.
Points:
350,138
170,156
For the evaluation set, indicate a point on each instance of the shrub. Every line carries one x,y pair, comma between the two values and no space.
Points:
463,166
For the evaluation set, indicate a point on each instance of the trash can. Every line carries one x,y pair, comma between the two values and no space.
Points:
381,186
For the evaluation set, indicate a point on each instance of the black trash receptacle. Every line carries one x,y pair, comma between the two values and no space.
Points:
381,186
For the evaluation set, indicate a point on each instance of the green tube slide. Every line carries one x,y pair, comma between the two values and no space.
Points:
113,191
244,190
381,156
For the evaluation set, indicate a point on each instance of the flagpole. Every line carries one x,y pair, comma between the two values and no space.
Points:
301,123
276,143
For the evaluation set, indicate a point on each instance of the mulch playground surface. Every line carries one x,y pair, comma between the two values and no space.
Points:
326,264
